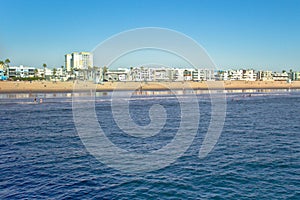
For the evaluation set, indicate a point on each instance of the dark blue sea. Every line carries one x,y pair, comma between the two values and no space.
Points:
257,155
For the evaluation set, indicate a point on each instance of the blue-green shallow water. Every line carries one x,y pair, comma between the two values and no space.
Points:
256,157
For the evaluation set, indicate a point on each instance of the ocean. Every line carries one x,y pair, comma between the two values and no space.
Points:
257,155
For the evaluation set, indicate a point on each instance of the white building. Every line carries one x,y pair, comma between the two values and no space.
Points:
140,74
188,74
160,74
222,75
68,65
179,74
60,72
295,76
277,76
235,74
170,74
78,61
264,75
48,72
203,75
21,72
241,74
249,75
117,75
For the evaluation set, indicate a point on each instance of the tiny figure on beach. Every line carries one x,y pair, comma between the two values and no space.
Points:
41,100
34,100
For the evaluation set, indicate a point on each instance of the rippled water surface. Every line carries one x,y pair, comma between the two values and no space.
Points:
257,155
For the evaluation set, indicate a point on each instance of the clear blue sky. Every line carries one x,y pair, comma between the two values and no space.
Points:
255,33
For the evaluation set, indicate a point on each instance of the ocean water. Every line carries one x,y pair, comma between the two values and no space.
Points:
256,157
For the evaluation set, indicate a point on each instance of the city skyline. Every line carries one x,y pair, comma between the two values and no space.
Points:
249,34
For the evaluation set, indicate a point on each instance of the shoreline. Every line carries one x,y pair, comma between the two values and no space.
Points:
64,87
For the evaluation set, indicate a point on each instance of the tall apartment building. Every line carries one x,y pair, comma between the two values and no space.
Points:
78,60
68,58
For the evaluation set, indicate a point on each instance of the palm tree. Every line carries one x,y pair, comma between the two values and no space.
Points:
1,63
7,61
44,65
36,72
62,71
6,65
95,68
105,69
54,73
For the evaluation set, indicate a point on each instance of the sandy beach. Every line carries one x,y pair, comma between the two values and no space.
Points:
44,86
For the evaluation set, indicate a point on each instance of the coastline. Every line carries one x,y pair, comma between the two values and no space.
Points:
57,87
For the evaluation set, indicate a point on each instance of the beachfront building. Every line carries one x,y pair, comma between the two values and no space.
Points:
188,74
120,74
160,74
249,75
98,75
240,75
178,74
264,75
278,76
60,72
234,75
165,74
295,76
21,72
47,72
68,66
2,77
78,61
155,74
140,74
222,75
169,74
203,74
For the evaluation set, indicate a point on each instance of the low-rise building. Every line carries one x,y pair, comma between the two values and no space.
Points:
249,75
295,76
222,75
117,75
188,74
21,72
264,75
235,75
203,74
2,77
46,73
277,76
241,74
